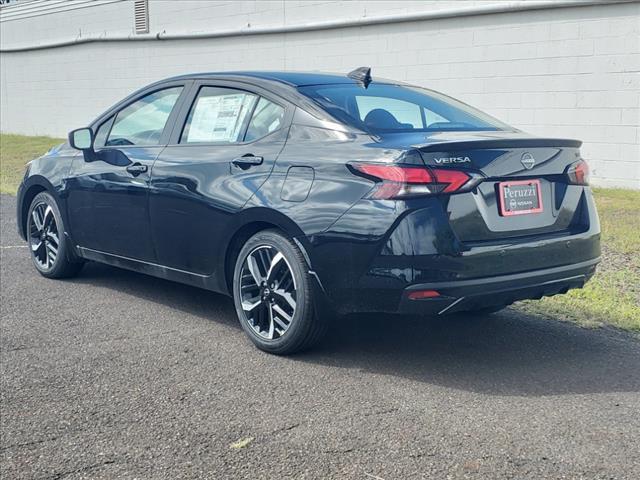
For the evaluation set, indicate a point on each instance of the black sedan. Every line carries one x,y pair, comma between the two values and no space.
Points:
304,195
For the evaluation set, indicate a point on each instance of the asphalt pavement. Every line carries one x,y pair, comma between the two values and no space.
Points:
117,375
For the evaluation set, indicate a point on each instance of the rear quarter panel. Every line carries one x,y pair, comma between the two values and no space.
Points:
315,160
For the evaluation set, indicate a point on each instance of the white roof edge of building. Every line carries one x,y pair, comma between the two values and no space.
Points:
493,8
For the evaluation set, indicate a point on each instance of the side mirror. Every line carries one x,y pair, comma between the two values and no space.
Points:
81,139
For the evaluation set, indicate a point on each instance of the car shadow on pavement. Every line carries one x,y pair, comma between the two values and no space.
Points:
507,353
190,300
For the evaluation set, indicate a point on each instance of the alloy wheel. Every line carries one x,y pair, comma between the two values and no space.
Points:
268,292
43,236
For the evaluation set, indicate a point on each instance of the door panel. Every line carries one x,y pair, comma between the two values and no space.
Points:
195,190
108,205
108,190
196,186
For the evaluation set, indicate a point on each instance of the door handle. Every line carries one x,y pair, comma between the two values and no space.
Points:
136,169
247,161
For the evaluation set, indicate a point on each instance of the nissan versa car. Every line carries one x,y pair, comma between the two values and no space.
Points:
303,195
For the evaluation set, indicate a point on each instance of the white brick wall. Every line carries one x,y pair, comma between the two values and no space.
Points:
571,72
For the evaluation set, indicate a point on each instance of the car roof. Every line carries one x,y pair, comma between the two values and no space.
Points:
283,84
294,79
280,83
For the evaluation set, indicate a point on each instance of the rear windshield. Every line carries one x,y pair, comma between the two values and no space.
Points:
386,108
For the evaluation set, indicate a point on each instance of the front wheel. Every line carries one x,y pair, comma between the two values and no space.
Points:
48,245
273,295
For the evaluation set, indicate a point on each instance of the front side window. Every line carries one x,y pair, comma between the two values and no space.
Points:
143,122
218,115
387,108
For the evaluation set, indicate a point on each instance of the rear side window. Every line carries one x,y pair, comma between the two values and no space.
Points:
143,122
218,115
267,118
388,108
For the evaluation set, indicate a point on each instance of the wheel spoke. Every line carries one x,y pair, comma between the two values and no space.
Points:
36,246
252,264
286,296
282,314
53,250
271,324
47,217
282,327
277,258
249,306
36,219
54,237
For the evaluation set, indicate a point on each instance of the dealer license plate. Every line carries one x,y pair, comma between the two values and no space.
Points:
520,197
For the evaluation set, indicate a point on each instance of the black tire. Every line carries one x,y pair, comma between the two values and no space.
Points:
305,327
43,242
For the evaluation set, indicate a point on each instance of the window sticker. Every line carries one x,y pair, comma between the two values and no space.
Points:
219,118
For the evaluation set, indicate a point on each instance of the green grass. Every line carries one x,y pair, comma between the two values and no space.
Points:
15,152
612,297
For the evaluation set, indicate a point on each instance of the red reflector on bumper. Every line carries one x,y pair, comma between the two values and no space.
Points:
420,294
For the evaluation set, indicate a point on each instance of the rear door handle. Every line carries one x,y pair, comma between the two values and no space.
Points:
136,169
247,161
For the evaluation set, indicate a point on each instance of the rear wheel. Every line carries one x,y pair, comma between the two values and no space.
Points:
48,245
273,295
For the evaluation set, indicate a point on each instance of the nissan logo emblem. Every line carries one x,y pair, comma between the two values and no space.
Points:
528,161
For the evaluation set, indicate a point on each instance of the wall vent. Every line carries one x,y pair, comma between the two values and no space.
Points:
141,16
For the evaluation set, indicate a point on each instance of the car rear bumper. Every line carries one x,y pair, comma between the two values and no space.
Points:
464,295
420,251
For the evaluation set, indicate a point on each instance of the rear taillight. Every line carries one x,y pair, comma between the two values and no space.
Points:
422,294
579,173
399,181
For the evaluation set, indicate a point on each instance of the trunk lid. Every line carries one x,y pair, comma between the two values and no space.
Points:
516,169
